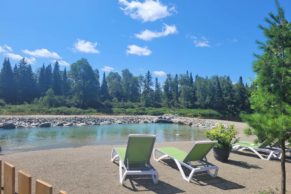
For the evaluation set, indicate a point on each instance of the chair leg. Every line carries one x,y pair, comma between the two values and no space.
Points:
260,156
122,175
114,155
214,174
155,177
188,179
191,175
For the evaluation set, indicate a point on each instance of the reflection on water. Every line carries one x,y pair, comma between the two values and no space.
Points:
18,140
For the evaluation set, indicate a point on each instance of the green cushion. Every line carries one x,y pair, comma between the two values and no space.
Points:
254,145
174,153
138,151
248,144
264,144
121,152
198,152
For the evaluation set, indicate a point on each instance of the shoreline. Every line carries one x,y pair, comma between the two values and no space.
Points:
45,121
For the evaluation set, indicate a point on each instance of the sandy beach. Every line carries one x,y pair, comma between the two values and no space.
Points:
88,170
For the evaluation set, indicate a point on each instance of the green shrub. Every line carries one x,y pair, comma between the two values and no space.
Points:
223,135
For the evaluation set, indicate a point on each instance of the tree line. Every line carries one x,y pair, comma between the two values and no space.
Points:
80,87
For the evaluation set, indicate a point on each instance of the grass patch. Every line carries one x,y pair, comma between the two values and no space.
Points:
28,109
203,113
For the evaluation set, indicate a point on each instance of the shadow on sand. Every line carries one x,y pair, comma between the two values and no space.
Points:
219,182
204,179
243,164
138,184
142,184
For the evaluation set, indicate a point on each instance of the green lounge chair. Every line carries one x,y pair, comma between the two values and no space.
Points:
259,149
135,158
197,154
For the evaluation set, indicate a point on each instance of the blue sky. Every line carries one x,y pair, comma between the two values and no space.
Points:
206,37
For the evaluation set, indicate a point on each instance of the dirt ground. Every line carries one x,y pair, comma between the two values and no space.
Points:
88,170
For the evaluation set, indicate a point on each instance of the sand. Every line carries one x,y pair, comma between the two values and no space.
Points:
88,170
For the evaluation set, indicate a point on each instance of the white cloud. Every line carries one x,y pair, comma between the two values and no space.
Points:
147,11
137,50
14,56
5,48
84,46
149,35
42,53
107,69
160,73
30,60
17,57
201,42
62,63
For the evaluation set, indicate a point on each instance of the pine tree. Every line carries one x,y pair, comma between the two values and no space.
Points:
271,96
228,94
147,93
191,79
168,91
185,90
48,77
135,90
26,83
42,81
65,84
97,83
176,91
57,80
104,94
200,92
217,102
7,83
157,94
241,96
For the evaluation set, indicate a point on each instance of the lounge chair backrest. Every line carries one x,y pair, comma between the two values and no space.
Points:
268,142
199,150
139,149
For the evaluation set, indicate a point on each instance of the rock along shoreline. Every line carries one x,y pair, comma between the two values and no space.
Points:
31,121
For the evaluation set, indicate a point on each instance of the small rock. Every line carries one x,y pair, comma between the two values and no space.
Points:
105,123
60,124
8,126
68,124
81,124
118,122
34,124
163,120
44,125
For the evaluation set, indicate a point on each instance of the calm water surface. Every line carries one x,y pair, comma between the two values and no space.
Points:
19,140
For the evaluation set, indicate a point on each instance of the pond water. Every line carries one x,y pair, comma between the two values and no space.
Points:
19,140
